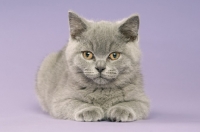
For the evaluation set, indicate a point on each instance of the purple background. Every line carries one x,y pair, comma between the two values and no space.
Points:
169,39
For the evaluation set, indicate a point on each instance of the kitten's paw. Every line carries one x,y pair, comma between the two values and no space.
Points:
120,113
92,113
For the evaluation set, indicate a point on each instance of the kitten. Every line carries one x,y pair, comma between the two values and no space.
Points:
97,75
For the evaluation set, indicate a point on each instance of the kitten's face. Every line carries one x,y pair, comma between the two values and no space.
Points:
101,53
100,70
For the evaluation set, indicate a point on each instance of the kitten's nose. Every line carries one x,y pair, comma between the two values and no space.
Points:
100,69
100,65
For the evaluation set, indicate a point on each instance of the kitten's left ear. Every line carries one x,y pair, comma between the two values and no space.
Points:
77,25
129,28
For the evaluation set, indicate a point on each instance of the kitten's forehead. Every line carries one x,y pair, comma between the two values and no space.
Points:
102,38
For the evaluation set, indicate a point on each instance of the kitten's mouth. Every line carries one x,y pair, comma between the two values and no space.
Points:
100,80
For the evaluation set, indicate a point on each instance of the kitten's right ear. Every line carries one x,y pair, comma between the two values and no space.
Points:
77,25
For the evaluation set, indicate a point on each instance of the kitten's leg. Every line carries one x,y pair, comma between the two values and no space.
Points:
77,110
128,111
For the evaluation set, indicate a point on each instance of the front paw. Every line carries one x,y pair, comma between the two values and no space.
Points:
121,113
92,113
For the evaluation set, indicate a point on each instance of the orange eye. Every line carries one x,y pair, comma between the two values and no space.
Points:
87,55
114,56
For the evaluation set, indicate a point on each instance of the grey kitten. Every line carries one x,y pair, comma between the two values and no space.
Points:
97,75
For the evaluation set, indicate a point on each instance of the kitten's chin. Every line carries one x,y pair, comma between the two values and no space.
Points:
100,80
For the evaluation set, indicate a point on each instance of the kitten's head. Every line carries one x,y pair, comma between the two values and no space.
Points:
103,52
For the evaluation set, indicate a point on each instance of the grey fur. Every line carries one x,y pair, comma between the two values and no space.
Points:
70,87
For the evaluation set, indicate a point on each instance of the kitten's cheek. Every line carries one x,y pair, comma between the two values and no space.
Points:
91,74
112,74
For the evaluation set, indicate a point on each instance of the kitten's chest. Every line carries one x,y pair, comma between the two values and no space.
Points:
105,97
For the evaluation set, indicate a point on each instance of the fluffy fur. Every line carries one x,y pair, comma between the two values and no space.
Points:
70,87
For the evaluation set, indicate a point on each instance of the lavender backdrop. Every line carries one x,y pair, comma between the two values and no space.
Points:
169,38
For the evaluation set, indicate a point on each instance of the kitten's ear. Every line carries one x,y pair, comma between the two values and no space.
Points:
77,25
129,28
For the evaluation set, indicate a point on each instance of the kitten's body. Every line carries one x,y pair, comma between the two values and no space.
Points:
69,87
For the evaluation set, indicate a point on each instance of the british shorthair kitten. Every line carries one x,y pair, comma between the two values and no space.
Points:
97,75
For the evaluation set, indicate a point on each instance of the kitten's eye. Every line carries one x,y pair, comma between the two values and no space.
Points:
114,56
87,55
